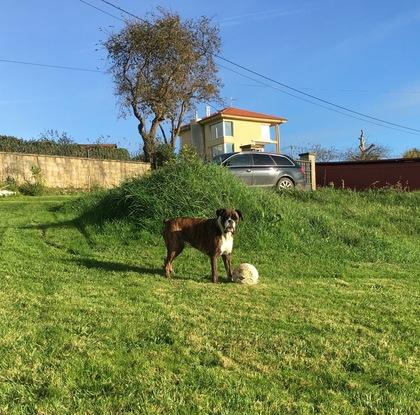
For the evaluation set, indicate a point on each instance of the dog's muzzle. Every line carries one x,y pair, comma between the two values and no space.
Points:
230,226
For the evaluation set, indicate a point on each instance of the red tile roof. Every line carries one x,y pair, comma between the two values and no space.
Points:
237,112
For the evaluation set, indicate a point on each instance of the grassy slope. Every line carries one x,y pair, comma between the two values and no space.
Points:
88,324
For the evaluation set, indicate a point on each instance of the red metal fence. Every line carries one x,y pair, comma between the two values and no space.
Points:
360,175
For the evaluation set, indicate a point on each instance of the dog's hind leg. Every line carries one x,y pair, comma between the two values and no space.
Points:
174,250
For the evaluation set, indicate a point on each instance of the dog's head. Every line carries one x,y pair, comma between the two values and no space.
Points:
228,219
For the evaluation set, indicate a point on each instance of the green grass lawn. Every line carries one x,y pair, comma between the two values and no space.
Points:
88,324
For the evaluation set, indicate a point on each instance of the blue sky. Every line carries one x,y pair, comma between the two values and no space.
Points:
363,55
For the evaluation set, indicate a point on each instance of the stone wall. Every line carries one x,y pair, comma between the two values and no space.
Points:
68,172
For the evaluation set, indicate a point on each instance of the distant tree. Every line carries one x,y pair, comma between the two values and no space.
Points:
137,157
101,139
162,68
411,153
321,153
52,135
366,151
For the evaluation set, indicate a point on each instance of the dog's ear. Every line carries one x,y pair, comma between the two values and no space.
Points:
219,212
241,217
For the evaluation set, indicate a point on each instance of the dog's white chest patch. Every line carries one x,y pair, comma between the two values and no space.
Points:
226,244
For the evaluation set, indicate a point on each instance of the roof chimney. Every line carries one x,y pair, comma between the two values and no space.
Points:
207,110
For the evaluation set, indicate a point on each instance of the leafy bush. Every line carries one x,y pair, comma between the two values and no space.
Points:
34,186
61,148
163,154
9,184
31,189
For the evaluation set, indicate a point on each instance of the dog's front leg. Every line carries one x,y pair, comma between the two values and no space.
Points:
227,260
214,274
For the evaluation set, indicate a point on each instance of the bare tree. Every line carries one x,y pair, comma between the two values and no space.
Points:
322,153
367,151
52,135
162,68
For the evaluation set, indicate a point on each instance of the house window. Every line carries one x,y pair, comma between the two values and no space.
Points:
216,130
229,148
216,150
221,129
228,128
221,149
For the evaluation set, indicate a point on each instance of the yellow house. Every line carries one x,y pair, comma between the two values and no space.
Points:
230,130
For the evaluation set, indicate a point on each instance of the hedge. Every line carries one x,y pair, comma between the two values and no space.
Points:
48,147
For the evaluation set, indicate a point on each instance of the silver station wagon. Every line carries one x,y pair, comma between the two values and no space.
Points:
264,169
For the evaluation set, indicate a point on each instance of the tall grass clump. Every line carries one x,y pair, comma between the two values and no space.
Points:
338,224
183,187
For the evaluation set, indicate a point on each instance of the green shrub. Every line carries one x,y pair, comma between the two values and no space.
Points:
34,186
50,147
163,154
9,184
31,189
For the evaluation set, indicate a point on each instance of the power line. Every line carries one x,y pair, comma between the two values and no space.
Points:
281,83
225,67
70,68
122,10
101,10
313,96
355,91
315,103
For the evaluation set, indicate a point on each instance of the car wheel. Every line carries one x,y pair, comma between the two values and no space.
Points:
285,184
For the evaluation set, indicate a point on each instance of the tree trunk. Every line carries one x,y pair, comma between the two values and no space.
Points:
148,144
149,140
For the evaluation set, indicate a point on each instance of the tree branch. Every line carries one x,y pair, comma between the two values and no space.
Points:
163,133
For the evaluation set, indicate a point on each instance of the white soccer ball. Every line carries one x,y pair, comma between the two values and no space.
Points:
245,274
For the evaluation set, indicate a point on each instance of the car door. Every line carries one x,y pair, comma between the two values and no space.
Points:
265,170
241,166
286,167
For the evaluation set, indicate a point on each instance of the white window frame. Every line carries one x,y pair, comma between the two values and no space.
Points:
222,148
226,149
213,154
224,128
217,130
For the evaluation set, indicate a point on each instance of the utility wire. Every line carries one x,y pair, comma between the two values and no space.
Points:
281,83
315,103
101,10
122,10
222,66
313,96
70,68
355,91
311,89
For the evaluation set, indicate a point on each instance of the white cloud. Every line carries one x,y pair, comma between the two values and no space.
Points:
257,16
